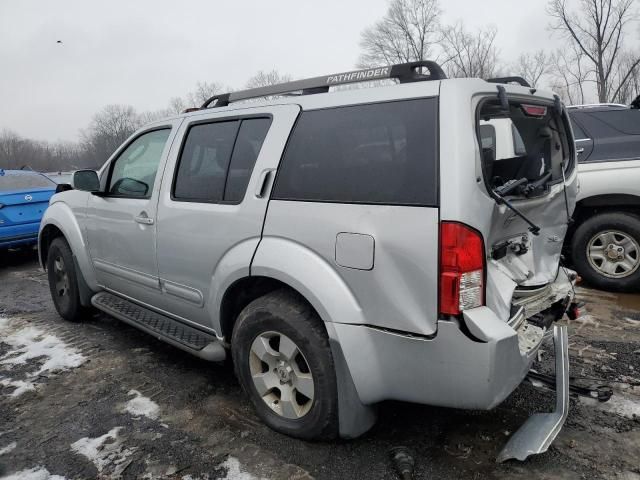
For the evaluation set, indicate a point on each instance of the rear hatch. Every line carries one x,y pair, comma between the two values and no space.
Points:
528,159
23,198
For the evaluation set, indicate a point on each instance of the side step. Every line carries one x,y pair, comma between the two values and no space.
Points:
187,338
541,429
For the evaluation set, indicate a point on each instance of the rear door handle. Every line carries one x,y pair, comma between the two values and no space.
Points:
580,150
144,219
263,182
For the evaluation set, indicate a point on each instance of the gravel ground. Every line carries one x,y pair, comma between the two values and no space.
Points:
100,399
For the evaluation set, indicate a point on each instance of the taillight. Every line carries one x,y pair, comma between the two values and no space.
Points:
534,110
461,268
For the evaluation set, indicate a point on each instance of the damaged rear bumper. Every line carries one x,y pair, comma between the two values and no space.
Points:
473,363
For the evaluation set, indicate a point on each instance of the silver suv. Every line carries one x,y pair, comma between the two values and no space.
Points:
344,247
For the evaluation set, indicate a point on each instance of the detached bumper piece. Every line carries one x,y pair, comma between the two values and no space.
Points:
541,429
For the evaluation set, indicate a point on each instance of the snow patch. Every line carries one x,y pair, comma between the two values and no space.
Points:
20,386
31,342
618,404
142,406
37,473
106,452
8,448
233,470
232,466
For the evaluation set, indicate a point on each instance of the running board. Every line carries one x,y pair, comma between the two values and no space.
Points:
541,429
189,339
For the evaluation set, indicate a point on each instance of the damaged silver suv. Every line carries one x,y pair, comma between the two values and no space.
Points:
343,246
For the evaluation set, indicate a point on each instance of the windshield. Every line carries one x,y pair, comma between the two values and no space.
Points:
22,181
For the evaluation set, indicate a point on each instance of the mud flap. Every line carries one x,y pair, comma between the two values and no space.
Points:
541,429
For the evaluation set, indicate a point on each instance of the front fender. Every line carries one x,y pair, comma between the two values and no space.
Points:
309,274
60,215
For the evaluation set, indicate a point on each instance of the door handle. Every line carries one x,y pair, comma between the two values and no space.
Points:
263,182
580,150
144,219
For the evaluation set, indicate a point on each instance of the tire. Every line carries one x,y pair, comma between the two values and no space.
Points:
270,325
602,235
63,281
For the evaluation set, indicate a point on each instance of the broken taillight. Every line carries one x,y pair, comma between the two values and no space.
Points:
462,273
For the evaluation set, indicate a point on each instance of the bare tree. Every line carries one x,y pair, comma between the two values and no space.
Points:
570,75
532,66
203,92
470,54
597,28
108,129
264,79
408,32
631,88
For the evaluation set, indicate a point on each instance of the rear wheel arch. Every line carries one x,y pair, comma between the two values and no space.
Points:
245,290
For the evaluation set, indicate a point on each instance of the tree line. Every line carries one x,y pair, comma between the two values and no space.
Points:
597,60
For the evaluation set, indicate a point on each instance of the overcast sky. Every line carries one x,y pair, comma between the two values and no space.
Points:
144,52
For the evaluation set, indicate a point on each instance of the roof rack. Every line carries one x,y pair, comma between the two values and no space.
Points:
403,72
596,105
518,80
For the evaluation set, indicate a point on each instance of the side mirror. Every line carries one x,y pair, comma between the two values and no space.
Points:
86,180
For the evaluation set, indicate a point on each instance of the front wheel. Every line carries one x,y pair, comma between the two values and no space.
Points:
63,281
606,251
283,361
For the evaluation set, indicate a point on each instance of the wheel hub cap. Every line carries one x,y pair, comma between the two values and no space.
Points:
614,254
281,375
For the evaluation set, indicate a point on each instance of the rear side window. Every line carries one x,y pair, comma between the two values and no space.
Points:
578,132
624,120
384,153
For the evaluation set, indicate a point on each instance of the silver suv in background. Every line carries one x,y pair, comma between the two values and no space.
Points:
343,247
604,241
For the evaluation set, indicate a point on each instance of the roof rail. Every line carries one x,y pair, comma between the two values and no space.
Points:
518,80
403,72
596,105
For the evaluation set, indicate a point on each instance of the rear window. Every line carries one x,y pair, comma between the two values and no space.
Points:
9,182
384,153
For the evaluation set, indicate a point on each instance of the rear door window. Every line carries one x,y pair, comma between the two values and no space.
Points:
383,153
204,161
217,160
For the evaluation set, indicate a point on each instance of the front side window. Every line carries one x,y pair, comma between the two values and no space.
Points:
383,153
134,171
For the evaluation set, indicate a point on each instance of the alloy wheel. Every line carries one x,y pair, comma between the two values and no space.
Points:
281,375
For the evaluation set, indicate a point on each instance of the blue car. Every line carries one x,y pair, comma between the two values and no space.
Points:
24,196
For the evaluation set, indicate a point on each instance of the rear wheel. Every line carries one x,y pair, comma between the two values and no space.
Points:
63,281
606,251
283,361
